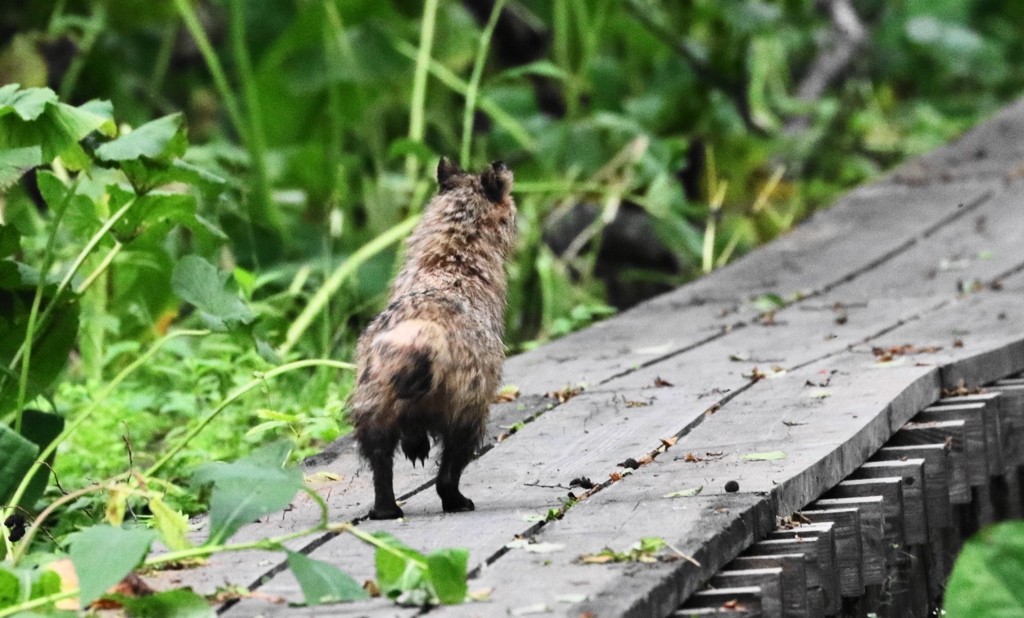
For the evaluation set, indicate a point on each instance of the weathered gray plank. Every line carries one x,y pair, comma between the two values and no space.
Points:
793,579
847,538
975,448
911,471
935,457
811,547
953,435
872,526
995,427
825,555
769,580
749,598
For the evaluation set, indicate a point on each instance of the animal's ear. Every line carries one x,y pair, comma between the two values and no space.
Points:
497,181
446,170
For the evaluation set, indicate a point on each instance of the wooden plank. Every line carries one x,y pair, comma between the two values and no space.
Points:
811,548
825,555
769,580
935,457
976,449
848,552
793,579
951,433
872,527
911,472
995,426
747,597
1011,399
819,255
891,490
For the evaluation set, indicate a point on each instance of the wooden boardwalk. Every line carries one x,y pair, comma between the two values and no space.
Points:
904,287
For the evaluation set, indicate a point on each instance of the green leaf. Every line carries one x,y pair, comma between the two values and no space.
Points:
769,302
399,568
17,161
172,525
685,493
773,455
322,582
542,68
10,584
40,428
161,140
181,603
155,210
103,555
10,241
248,489
28,104
196,281
19,455
988,576
447,572
56,131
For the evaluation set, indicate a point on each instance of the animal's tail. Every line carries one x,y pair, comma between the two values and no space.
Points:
416,354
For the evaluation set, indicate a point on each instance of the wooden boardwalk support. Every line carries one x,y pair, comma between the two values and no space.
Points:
830,407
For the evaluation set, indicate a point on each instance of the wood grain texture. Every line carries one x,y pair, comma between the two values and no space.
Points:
793,579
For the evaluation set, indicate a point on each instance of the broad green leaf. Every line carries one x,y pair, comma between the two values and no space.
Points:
57,130
248,488
103,555
322,582
17,161
28,104
156,210
771,456
988,576
196,281
172,525
10,586
45,582
447,572
399,568
181,603
40,428
10,240
161,140
19,454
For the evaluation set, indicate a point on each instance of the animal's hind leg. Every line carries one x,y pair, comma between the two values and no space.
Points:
460,443
378,447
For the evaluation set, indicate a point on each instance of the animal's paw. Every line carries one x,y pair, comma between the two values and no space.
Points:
458,504
386,512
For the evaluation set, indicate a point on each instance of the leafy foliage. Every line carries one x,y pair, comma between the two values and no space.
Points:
988,576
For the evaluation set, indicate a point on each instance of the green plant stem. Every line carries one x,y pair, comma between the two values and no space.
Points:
195,431
344,270
82,256
419,84
26,542
30,328
474,82
269,544
264,210
500,117
220,80
369,539
100,269
96,25
88,412
38,602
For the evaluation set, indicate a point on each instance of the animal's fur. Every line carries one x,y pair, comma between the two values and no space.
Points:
430,363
